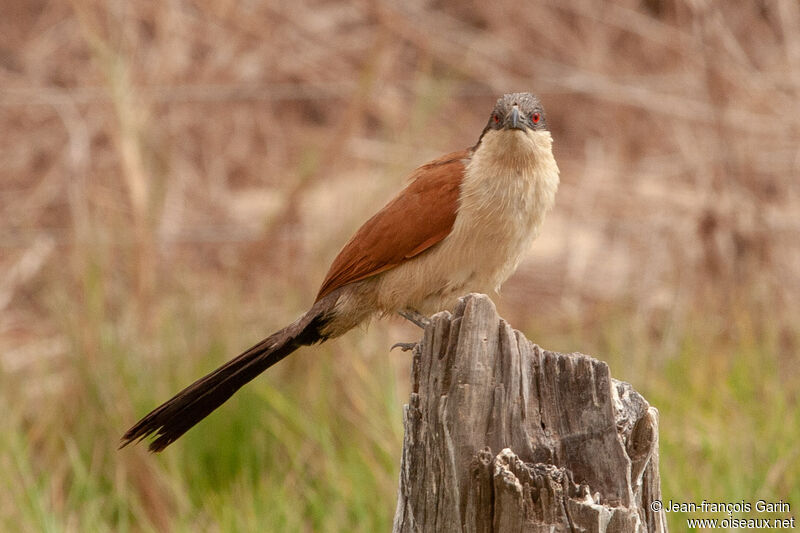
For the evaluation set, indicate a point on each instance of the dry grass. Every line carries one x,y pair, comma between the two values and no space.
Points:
176,176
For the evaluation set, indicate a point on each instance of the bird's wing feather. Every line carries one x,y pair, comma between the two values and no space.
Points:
416,219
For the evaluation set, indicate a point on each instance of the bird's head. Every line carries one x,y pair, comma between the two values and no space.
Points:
517,125
517,111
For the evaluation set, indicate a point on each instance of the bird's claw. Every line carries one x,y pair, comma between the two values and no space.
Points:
405,346
416,318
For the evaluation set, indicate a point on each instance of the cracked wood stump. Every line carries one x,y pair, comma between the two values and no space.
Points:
503,436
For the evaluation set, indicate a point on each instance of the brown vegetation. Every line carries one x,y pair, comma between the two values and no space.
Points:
198,132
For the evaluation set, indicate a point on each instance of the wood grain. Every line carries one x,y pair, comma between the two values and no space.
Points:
501,435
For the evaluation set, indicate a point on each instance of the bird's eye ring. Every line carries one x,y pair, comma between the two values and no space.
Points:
535,118
496,118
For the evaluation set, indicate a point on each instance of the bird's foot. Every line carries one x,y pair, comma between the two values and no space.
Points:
404,346
415,317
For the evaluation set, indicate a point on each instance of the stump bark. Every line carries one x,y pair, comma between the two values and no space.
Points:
503,436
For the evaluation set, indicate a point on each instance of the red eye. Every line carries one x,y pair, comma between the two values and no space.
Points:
496,118
535,117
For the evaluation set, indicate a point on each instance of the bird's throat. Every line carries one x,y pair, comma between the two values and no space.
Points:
511,170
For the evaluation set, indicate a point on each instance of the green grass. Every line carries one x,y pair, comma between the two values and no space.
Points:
727,390
729,424
314,445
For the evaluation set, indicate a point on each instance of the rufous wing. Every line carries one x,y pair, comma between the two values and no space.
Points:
416,219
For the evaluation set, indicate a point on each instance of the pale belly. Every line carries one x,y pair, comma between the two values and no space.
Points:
478,260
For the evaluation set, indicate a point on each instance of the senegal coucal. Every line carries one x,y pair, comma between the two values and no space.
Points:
461,225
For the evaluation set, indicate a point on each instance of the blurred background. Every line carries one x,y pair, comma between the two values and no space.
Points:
175,178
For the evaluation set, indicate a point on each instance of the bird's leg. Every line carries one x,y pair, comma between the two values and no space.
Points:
415,317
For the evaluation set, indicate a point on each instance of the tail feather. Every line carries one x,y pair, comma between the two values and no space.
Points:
179,414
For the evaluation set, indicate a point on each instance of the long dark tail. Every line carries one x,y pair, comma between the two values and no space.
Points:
176,416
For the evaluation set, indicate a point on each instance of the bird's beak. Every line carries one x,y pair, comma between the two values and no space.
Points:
515,122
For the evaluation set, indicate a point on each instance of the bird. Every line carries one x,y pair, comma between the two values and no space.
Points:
462,224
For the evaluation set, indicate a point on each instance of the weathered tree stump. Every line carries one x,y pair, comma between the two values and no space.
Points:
503,436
